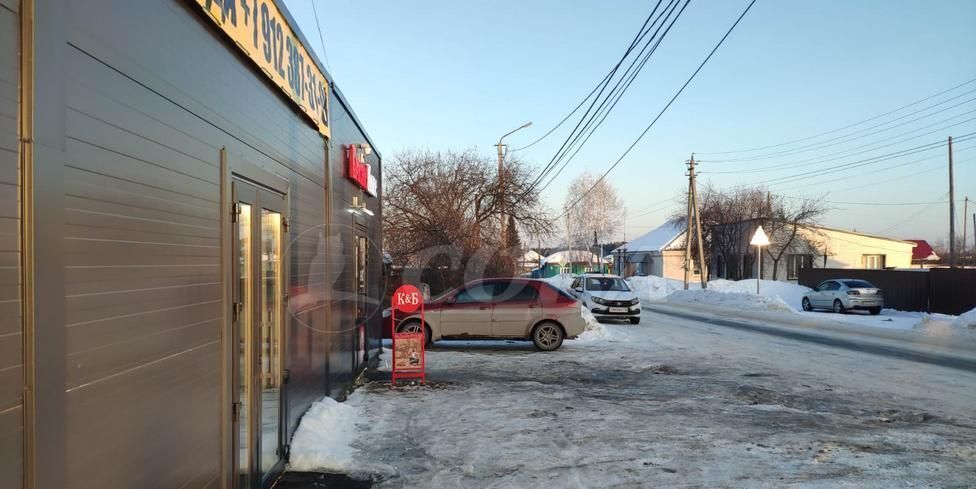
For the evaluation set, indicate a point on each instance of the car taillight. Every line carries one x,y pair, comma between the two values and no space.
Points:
853,292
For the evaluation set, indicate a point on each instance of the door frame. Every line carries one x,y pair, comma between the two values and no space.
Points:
235,173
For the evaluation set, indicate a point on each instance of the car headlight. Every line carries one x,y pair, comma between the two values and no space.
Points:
598,300
634,301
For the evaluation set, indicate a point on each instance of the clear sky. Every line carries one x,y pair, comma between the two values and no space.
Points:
459,74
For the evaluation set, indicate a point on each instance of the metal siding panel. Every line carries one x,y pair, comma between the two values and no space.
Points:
12,444
11,325
144,427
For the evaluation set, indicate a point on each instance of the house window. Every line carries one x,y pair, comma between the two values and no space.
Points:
795,262
873,262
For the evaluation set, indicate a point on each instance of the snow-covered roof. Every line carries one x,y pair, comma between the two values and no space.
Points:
574,256
663,237
531,255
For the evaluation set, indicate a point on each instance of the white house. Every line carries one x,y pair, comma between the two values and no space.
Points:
659,252
815,247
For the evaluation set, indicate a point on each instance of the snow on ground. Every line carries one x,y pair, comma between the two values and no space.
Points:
966,320
731,300
786,297
676,404
323,441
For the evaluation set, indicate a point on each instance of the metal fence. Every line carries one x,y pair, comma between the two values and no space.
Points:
942,290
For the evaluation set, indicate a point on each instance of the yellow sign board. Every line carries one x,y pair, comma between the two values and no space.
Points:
259,29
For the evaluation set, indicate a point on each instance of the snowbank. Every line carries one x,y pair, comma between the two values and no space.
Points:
731,300
966,320
594,328
653,288
323,441
563,280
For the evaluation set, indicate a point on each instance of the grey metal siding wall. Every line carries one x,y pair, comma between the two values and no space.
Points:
149,105
11,326
345,225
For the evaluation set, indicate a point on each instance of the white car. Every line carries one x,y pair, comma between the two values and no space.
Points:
607,297
844,294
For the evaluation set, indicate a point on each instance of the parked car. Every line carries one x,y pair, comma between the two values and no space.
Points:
844,294
512,308
607,297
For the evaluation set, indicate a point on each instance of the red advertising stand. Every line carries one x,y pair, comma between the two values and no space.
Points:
408,348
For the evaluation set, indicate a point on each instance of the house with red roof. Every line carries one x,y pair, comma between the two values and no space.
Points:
923,254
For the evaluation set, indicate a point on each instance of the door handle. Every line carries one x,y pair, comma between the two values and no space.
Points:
533,306
484,307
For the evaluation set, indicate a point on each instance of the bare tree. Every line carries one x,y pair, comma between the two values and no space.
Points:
729,214
790,227
597,216
452,201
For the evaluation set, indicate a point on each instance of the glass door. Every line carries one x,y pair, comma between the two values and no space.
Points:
258,325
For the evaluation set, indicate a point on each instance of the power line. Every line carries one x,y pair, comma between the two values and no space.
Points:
616,95
913,216
846,138
837,155
321,39
866,161
576,132
930,97
605,78
661,113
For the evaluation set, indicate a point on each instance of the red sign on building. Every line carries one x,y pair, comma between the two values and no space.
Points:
356,168
409,360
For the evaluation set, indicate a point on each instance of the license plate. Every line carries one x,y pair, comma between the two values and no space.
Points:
618,309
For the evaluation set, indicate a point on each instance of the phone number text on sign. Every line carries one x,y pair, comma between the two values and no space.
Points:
260,31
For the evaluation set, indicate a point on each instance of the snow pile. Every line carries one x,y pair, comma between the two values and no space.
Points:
966,320
653,288
773,295
790,293
323,441
594,329
731,300
563,280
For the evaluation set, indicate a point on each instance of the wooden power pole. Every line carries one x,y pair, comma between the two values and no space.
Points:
965,212
952,212
694,218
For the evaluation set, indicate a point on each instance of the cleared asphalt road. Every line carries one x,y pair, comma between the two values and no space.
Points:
906,350
672,402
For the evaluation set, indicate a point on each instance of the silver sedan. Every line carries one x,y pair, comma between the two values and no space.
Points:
844,294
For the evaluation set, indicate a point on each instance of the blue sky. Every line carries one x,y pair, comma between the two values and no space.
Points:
455,75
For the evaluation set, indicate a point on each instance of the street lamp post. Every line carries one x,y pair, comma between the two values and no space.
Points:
501,174
759,239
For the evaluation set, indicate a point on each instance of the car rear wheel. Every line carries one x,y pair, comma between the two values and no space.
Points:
547,336
875,311
806,305
414,326
839,307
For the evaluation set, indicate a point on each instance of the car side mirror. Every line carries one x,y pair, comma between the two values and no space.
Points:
578,289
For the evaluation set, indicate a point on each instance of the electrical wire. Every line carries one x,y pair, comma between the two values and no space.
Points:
321,38
930,97
864,162
597,87
603,114
846,138
838,155
661,113
574,135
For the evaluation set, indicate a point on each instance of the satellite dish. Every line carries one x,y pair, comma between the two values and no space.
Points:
760,238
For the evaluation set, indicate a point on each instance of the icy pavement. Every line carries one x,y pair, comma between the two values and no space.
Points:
784,299
669,403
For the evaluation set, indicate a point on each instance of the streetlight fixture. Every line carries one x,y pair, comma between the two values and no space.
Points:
501,159
759,239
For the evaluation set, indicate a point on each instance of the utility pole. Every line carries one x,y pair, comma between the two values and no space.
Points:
952,212
693,210
965,212
501,180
